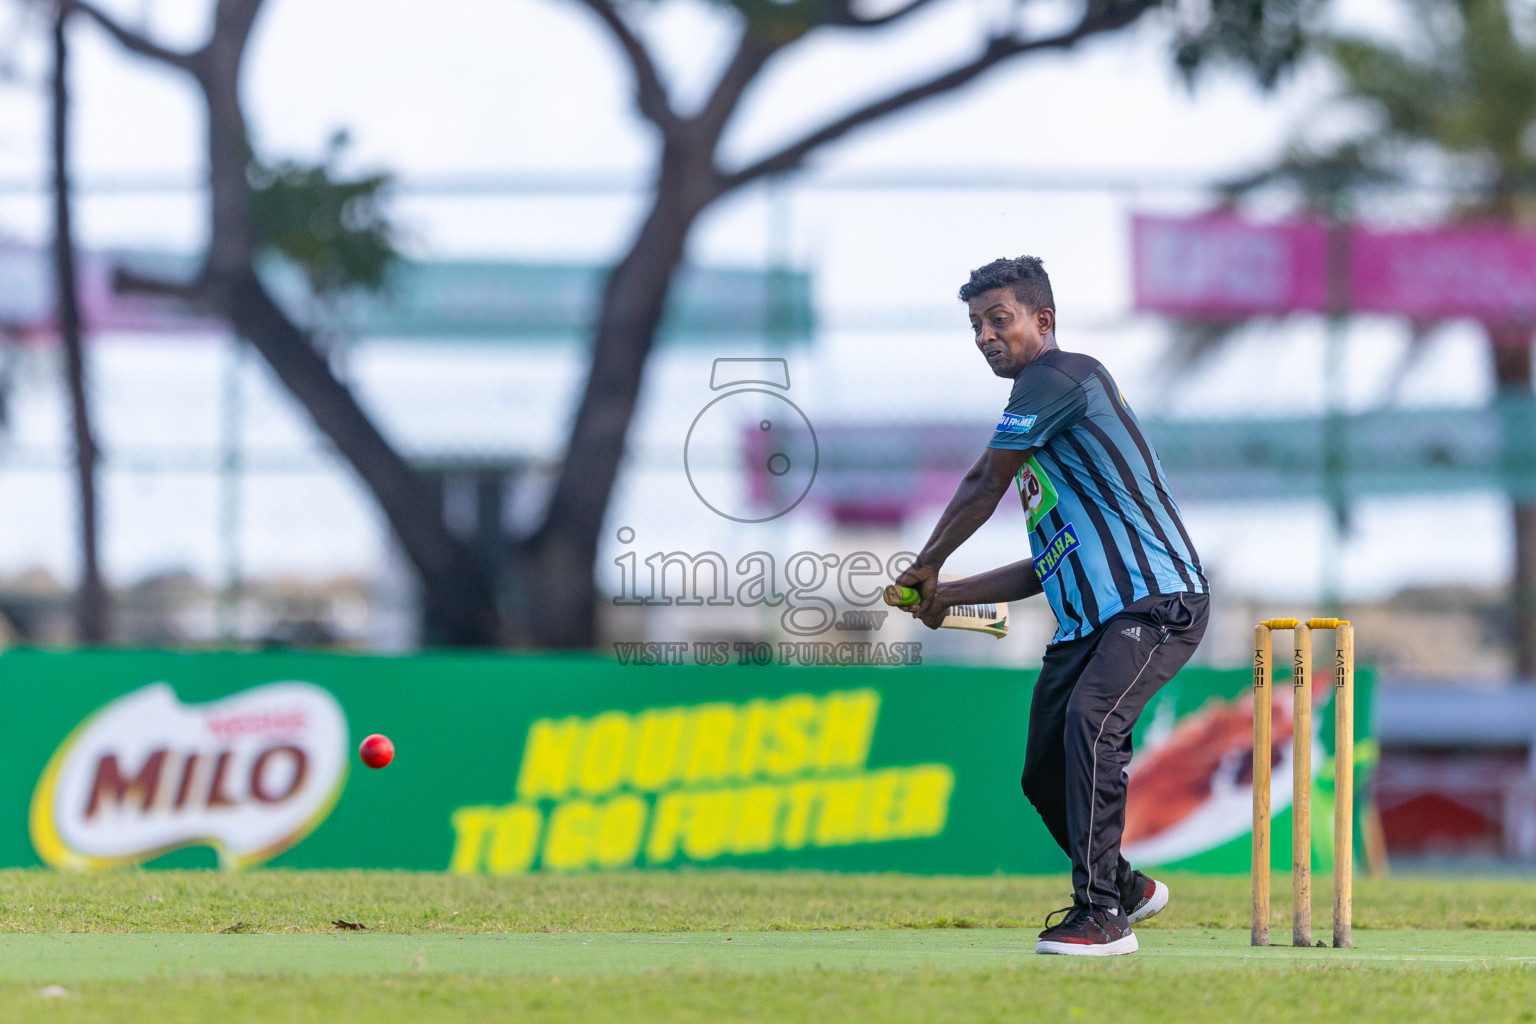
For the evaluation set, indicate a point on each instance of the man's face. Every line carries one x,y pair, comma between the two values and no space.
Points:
1008,334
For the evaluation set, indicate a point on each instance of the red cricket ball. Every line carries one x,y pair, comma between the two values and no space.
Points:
376,751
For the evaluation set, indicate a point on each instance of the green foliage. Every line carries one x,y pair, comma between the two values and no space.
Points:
1325,180
1463,85
1265,37
1469,89
333,228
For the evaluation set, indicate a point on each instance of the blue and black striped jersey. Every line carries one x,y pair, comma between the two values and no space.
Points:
1104,530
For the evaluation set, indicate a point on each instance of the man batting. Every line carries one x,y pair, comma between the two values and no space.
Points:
1116,564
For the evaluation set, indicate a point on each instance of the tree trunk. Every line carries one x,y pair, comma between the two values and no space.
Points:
561,558
91,595
453,584
1512,369
451,580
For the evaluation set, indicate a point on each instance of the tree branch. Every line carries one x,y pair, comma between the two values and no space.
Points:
131,40
998,50
751,54
650,95
756,47
850,20
125,281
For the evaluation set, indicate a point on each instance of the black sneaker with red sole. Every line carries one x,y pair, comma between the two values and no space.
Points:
1145,899
1088,930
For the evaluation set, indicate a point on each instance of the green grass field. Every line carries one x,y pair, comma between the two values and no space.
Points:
137,946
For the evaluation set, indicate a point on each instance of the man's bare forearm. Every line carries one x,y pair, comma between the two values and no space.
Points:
973,504
1010,583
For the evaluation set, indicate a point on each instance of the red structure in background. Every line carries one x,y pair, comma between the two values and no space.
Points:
1457,803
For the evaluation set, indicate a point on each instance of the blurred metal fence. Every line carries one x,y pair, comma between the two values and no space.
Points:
226,518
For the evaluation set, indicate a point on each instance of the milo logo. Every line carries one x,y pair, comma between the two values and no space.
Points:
249,775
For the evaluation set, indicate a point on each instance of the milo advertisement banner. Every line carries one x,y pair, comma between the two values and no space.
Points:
248,776
515,764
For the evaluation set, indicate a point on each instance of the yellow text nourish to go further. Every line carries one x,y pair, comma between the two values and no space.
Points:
666,748
697,826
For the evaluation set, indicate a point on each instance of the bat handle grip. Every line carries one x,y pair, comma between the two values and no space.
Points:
901,597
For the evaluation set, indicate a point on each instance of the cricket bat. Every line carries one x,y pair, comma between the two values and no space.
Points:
991,619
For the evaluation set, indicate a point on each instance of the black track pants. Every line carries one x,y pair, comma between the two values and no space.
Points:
1088,697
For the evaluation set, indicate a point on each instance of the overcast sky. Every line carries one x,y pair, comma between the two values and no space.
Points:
494,86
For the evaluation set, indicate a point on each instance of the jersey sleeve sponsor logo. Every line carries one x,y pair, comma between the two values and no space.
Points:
1013,423
1055,552
1036,492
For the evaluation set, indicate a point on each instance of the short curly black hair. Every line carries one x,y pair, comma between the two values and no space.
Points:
1025,275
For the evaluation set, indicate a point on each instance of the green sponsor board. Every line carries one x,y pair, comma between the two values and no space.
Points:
511,764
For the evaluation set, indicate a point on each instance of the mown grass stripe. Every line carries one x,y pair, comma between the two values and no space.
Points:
67,958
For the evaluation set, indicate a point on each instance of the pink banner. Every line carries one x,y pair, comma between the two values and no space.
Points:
1487,273
27,303
1221,267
